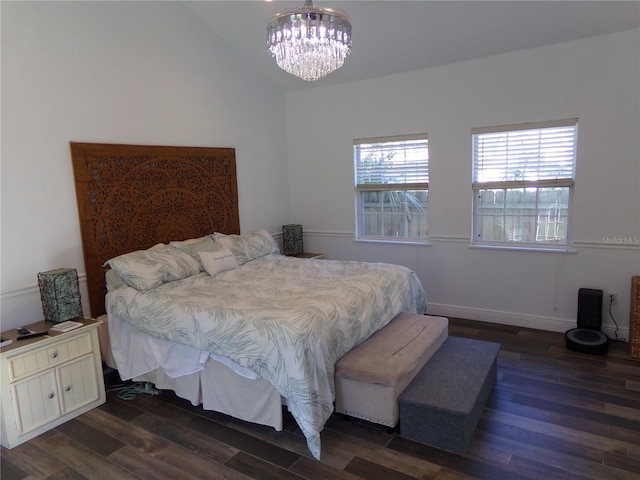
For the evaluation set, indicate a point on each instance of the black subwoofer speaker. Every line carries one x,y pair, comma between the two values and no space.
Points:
590,308
588,338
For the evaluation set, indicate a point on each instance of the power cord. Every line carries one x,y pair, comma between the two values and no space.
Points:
129,392
614,322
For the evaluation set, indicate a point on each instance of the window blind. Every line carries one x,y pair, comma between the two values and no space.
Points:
386,163
537,154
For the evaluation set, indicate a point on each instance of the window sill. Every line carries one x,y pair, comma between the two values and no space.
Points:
527,248
418,243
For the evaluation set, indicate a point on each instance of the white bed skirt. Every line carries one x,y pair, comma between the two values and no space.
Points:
211,384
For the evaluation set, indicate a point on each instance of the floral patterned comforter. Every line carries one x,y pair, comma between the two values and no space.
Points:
288,320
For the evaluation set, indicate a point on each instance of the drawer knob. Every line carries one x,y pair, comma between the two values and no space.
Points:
51,395
67,388
54,355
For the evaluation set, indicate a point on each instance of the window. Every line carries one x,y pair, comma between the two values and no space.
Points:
523,179
392,186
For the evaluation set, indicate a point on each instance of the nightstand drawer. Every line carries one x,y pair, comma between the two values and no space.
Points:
31,362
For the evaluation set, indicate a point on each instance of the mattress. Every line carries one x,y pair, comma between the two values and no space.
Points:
285,319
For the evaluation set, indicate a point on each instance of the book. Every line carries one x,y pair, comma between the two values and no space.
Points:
65,326
5,341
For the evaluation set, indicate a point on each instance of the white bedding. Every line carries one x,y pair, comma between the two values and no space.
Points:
217,384
137,354
285,319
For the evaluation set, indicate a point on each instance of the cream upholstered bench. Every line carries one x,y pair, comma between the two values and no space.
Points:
370,377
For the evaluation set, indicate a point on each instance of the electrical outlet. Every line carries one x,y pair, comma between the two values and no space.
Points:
612,298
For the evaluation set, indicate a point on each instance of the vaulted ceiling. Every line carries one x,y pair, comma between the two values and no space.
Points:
398,36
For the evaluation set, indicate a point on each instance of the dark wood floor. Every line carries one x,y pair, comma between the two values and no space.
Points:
554,414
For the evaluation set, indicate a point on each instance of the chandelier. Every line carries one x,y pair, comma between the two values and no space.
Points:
309,42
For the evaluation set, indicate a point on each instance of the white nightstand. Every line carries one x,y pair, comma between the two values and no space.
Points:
45,381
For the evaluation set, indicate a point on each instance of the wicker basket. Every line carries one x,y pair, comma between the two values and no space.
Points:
634,318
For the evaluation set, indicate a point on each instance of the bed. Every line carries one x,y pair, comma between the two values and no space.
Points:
216,316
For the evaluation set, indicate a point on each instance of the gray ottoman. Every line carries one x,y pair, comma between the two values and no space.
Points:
444,402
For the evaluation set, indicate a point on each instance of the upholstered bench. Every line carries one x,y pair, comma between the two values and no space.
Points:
370,377
443,404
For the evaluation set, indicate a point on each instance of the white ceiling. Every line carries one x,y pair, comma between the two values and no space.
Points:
397,36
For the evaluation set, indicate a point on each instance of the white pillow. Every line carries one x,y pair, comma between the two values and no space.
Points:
115,281
197,245
185,243
219,261
250,247
147,269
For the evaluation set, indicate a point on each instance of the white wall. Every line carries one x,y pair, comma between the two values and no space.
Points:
117,72
150,73
596,80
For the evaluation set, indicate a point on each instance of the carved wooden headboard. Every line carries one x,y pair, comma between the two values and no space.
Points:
131,197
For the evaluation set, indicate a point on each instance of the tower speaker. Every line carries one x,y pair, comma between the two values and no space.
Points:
588,338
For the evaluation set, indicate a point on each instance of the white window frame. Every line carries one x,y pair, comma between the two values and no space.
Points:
404,175
495,151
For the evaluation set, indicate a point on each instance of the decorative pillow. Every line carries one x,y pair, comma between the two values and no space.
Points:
147,269
249,247
194,246
220,261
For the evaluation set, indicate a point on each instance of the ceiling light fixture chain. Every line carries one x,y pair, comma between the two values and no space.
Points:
309,42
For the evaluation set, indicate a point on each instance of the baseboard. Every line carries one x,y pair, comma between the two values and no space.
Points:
516,319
